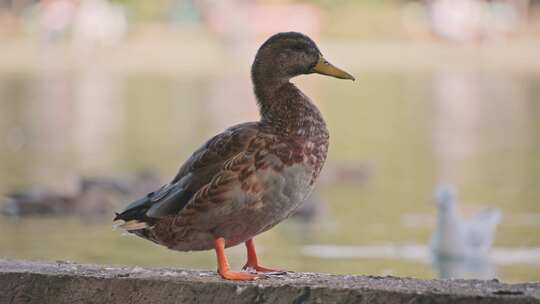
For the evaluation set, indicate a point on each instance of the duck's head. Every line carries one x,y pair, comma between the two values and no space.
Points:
286,55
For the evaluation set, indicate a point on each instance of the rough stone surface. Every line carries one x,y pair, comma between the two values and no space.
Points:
64,282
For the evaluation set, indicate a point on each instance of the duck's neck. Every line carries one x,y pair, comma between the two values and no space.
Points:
283,106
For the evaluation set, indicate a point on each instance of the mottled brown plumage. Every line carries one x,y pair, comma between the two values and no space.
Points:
252,176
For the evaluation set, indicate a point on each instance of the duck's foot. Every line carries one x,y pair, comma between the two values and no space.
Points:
252,264
268,271
223,265
239,276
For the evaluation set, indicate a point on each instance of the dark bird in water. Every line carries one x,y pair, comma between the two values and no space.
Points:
252,176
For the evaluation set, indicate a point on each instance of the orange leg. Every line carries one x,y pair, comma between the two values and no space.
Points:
253,262
223,264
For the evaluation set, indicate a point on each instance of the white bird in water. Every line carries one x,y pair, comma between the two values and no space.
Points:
457,237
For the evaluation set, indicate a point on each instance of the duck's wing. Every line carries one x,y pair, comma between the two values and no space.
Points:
199,170
481,230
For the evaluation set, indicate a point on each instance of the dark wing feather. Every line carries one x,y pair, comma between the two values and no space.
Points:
169,199
195,173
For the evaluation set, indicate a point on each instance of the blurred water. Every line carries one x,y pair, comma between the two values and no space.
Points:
476,129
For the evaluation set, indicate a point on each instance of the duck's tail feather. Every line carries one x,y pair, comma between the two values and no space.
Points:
144,212
134,225
134,216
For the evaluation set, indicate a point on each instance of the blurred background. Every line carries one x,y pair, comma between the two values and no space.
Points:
101,101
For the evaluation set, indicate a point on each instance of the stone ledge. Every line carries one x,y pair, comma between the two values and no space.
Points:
63,282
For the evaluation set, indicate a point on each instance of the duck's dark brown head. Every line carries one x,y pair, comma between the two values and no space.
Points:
281,104
286,55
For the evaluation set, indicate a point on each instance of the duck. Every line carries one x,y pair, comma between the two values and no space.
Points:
456,237
245,180
93,196
36,201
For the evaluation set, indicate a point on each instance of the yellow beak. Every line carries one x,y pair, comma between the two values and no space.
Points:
326,68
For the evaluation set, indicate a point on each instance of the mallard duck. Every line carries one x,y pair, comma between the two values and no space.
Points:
252,176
